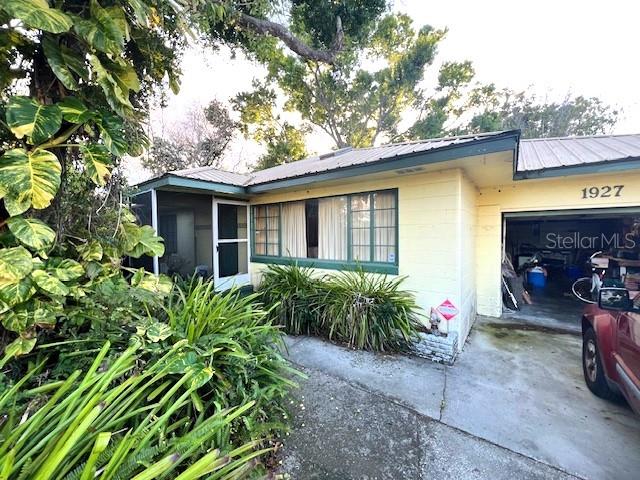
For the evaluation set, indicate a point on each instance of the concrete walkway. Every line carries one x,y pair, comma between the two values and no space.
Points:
513,406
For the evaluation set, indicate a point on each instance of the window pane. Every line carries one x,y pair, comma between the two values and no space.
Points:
294,226
232,221
361,254
266,233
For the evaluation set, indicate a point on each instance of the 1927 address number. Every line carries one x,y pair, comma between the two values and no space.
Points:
606,191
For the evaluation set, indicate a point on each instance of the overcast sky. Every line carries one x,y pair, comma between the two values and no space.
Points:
551,47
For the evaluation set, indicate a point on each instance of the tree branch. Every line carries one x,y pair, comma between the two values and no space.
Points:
267,27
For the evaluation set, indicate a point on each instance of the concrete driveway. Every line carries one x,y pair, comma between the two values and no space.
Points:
513,406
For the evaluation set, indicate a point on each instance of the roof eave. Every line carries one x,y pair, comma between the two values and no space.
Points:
632,163
170,180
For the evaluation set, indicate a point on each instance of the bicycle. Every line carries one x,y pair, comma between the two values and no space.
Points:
586,289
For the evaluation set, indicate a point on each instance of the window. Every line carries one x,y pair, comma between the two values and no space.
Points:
347,229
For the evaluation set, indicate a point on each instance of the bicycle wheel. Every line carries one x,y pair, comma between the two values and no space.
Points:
581,288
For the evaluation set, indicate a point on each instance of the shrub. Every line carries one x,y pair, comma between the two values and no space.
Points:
365,311
291,292
110,423
229,332
369,312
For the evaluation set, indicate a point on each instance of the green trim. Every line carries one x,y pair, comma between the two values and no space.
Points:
327,264
582,169
279,230
191,184
372,229
349,232
482,146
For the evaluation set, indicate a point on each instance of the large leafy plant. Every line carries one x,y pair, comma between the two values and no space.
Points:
81,67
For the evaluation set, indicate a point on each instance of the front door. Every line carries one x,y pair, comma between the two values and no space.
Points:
231,243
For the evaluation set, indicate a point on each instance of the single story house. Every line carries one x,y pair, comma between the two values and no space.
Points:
435,211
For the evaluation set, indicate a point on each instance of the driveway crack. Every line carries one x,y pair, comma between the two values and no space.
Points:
443,402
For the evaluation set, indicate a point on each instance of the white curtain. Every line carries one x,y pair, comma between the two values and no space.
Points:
385,234
332,228
294,231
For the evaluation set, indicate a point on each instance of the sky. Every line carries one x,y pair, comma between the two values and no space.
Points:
547,47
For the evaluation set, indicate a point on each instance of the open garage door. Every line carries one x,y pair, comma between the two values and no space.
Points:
550,250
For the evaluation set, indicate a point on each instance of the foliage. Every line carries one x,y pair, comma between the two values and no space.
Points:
198,141
364,311
506,109
352,104
109,424
292,294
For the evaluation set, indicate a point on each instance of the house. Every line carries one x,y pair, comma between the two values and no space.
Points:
440,212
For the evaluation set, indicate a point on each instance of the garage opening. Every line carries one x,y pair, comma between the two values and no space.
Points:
550,251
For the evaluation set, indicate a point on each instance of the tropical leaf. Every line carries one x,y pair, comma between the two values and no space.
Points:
37,14
49,284
160,284
106,30
28,179
20,346
154,330
74,111
30,314
15,264
90,251
96,158
13,294
117,98
67,270
142,240
31,232
112,133
57,62
27,117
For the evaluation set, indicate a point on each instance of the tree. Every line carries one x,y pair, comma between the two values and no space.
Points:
351,103
75,81
199,140
506,109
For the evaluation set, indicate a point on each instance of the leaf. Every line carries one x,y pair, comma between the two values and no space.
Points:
117,98
57,62
15,264
96,157
26,117
106,30
67,270
31,232
112,133
49,284
37,14
19,346
29,179
90,251
16,293
160,284
142,240
154,330
74,111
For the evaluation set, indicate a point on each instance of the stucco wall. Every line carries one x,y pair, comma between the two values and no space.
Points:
436,215
534,195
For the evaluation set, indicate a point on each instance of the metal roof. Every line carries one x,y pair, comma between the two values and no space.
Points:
211,174
536,157
344,158
546,153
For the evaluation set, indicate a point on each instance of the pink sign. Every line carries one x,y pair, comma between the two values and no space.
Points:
447,309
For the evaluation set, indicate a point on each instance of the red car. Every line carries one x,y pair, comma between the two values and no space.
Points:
611,346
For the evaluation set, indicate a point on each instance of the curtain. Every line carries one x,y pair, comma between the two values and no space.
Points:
332,228
294,231
385,235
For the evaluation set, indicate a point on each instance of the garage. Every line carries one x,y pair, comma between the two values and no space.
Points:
546,252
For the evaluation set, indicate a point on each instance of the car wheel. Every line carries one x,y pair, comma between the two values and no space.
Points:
592,367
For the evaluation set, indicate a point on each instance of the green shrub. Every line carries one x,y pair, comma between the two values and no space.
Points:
369,312
291,292
116,422
229,332
364,311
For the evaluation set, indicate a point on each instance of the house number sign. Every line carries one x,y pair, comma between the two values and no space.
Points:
606,191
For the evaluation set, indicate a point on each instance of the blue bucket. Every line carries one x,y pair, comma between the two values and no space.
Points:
536,279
